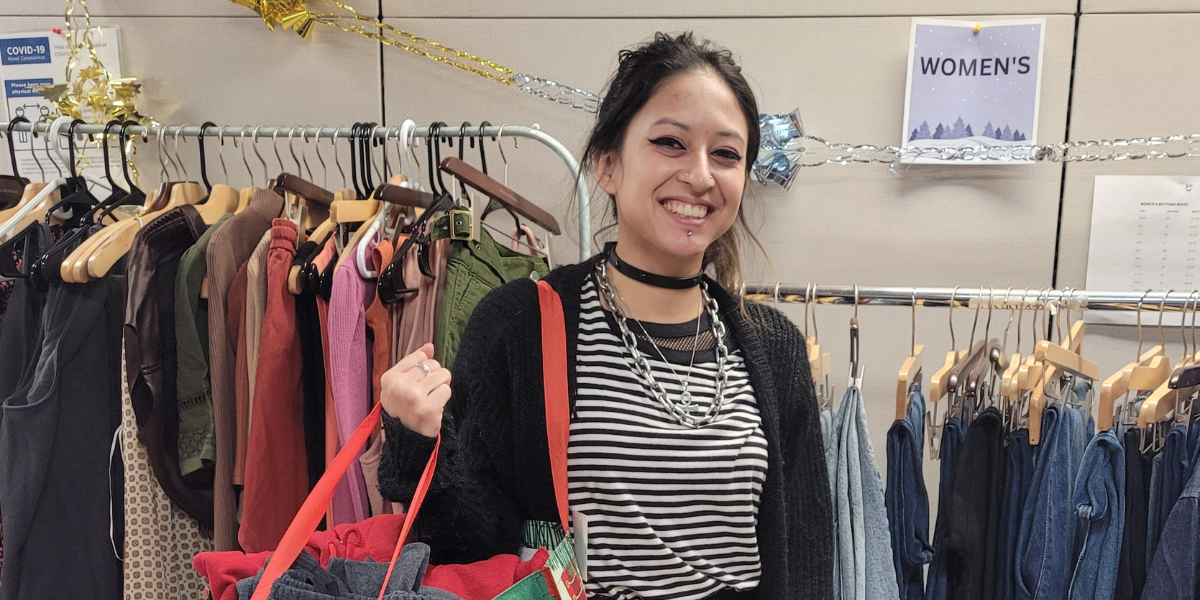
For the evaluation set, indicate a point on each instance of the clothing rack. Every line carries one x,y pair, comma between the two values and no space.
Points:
1003,298
381,132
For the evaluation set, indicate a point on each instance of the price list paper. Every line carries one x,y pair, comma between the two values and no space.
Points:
1145,236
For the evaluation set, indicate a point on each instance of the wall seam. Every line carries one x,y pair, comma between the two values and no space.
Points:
1062,188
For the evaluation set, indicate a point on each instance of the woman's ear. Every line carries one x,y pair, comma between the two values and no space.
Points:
606,166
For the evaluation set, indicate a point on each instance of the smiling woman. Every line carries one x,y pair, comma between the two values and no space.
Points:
695,464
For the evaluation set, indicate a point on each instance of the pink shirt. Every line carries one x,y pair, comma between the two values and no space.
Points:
350,374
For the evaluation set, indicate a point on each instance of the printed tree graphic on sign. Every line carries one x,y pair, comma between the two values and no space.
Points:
969,132
940,133
1007,135
989,131
958,130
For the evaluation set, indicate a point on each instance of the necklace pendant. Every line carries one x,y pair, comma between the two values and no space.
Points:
685,399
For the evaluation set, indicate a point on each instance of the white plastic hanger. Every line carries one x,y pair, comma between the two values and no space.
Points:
7,228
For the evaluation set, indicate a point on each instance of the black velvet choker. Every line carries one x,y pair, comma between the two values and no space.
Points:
648,278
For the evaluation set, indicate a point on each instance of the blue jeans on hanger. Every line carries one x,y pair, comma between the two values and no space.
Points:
907,501
952,438
1046,541
1154,520
864,544
1018,470
1100,506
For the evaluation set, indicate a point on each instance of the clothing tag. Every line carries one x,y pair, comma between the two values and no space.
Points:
579,525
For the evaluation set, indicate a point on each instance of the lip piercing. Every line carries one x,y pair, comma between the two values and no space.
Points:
689,234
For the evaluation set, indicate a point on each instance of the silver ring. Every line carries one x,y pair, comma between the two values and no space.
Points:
424,367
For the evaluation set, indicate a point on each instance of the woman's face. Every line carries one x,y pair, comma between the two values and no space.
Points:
679,177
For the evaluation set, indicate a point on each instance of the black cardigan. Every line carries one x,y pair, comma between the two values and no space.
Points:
494,467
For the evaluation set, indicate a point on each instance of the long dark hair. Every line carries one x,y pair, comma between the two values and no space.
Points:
640,73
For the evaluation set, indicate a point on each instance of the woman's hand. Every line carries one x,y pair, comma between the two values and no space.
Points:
415,397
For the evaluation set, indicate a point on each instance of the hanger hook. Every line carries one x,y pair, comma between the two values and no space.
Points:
1139,321
12,149
275,147
336,159
292,149
816,332
950,313
71,145
221,152
774,296
856,301
1162,307
1183,324
1021,315
914,318
1011,314
242,137
158,149
203,161
254,138
987,329
978,305
32,135
324,169
122,139
179,161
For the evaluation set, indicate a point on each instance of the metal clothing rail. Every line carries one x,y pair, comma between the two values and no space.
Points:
274,132
929,297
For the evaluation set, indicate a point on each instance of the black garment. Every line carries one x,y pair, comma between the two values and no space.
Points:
151,351
21,332
60,492
494,466
974,511
1131,576
312,374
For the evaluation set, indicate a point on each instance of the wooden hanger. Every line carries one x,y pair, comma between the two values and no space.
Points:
1055,359
1121,382
1162,402
908,379
499,192
221,201
910,374
117,245
74,266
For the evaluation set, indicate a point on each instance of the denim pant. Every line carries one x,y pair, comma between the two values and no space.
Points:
1155,520
864,544
1046,541
907,501
1174,573
1018,470
952,438
1100,505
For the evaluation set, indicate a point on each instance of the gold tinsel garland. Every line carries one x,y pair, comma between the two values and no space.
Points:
90,92
301,15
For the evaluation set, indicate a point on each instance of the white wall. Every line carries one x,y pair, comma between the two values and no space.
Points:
842,63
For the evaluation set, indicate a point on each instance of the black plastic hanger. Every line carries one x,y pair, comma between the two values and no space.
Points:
12,187
354,129
203,163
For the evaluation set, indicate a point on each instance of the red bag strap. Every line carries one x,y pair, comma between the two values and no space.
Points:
558,404
558,428
306,521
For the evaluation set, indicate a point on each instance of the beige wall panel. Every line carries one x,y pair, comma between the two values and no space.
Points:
236,71
1140,6
712,8
1124,91
129,8
838,224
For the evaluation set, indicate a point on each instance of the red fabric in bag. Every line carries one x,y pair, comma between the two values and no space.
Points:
373,538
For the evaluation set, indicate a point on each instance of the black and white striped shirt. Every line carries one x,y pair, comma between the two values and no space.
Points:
672,511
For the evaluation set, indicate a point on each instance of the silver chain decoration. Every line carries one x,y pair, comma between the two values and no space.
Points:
681,412
816,151
557,92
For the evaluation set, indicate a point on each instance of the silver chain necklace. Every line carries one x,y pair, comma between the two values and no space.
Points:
684,411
